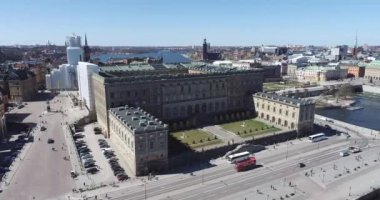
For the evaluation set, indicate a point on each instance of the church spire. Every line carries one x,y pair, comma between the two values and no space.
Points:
85,40
86,50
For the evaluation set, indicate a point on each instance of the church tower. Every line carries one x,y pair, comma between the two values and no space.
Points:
204,52
86,50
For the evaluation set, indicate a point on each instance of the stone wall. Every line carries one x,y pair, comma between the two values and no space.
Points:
371,89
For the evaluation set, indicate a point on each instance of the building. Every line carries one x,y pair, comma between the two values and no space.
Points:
320,73
285,112
40,71
183,96
339,53
209,56
65,76
292,70
86,91
141,138
19,85
372,71
355,71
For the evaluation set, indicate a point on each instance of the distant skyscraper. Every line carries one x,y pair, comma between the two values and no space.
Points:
86,50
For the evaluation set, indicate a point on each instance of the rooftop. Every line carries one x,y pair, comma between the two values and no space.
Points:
137,120
318,68
139,66
374,64
214,68
284,99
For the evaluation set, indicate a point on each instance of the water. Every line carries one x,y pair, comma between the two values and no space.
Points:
368,117
168,56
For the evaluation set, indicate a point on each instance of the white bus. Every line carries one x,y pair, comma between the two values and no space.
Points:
317,137
234,158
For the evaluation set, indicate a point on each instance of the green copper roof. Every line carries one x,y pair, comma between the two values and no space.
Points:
374,64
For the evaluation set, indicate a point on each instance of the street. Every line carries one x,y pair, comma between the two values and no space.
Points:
43,173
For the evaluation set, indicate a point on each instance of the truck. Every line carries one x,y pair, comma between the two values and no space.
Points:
245,164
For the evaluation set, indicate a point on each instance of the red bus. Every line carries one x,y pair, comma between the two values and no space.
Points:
245,164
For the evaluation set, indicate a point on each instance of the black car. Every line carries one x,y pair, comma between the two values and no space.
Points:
104,145
78,137
88,165
50,141
301,165
92,170
122,177
84,151
84,154
80,145
83,147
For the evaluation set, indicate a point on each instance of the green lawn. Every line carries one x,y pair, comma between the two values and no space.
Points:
275,86
250,127
196,138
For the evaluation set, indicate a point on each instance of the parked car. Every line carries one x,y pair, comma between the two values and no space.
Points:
43,128
106,150
84,151
88,165
50,141
122,177
78,137
86,156
92,170
88,160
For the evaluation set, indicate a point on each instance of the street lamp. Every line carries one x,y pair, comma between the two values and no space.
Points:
287,146
202,168
145,196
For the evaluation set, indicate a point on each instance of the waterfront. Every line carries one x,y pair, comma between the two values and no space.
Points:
367,117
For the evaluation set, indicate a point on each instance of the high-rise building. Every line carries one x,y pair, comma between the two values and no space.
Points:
74,50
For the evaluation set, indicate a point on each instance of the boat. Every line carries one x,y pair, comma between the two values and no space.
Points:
352,108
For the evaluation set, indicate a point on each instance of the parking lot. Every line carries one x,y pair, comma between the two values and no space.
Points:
91,155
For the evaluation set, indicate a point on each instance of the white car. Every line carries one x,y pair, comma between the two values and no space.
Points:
344,153
106,149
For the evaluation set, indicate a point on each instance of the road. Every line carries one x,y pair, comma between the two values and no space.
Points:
222,180
43,173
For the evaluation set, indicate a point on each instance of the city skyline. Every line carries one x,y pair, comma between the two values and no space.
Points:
170,23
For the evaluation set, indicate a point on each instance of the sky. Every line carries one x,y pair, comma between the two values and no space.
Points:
187,22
